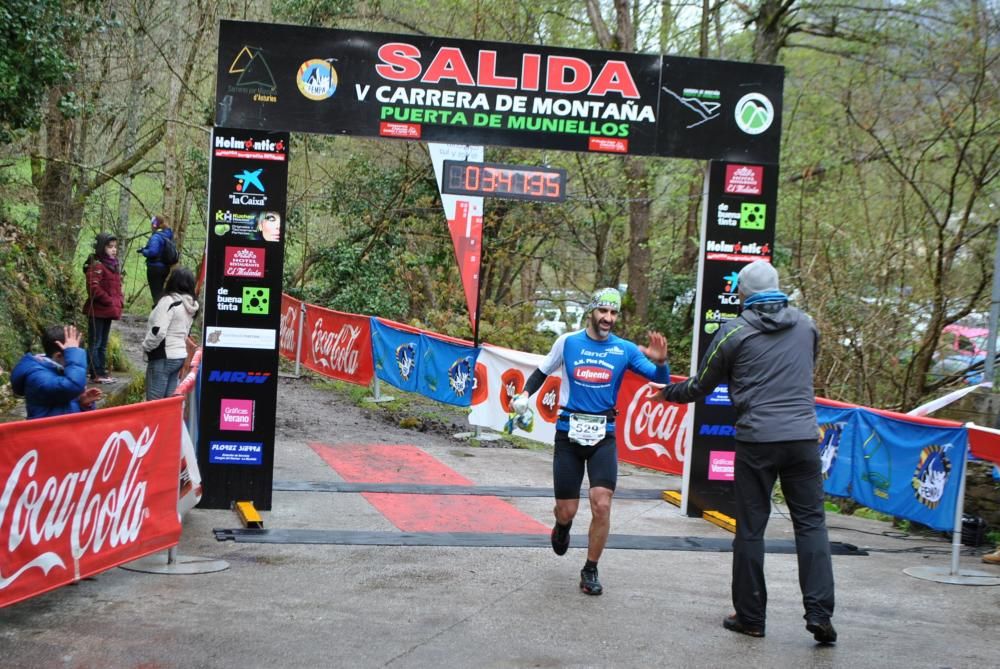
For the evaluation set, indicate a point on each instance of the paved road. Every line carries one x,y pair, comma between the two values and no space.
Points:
296,605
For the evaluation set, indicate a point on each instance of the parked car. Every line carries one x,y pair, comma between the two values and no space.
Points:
558,319
960,348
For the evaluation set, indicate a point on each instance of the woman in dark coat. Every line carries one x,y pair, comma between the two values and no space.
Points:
104,302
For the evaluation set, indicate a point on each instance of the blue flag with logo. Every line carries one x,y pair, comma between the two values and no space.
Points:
836,448
447,371
396,354
907,469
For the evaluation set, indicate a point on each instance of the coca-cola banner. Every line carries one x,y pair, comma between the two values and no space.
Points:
650,434
500,375
338,344
291,323
85,492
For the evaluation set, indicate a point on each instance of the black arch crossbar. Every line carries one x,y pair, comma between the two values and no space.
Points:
427,489
498,540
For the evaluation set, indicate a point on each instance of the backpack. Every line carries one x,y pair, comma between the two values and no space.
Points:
168,252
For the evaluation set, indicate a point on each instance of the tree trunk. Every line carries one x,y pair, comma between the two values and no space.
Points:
639,256
59,212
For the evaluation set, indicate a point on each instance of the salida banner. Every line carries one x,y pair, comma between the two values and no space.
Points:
282,77
85,492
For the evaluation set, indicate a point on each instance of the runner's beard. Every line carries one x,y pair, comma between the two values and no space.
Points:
595,324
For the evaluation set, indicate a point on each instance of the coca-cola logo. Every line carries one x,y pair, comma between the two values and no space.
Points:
64,519
336,351
592,374
655,425
288,331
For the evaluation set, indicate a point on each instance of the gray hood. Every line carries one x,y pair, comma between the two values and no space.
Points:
772,317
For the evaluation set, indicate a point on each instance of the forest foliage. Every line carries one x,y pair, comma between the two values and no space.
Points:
888,201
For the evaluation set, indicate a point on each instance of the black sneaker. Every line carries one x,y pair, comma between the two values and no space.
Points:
734,624
560,538
823,632
589,583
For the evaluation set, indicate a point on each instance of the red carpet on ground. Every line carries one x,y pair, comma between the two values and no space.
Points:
380,463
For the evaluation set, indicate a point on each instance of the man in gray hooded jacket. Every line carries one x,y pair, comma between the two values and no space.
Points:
766,355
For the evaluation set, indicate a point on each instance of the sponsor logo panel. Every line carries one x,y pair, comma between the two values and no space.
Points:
236,452
719,396
744,179
754,113
317,79
244,262
239,376
721,465
711,430
224,337
236,415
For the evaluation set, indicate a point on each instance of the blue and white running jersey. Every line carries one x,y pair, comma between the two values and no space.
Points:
592,372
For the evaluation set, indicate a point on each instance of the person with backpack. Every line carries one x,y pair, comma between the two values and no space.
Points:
161,254
104,304
165,343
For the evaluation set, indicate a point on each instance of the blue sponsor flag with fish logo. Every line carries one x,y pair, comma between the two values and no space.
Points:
396,353
836,446
910,470
447,371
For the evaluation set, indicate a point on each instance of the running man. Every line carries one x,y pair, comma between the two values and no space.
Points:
593,362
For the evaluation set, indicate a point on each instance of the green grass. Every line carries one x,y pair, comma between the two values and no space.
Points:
865,512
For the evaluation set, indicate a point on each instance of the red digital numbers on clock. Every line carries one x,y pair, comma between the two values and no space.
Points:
539,184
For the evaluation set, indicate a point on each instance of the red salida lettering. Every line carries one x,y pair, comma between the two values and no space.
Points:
562,74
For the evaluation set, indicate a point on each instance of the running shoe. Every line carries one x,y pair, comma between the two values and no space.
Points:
560,538
589,583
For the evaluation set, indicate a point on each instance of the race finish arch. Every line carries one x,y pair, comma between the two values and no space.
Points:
276,79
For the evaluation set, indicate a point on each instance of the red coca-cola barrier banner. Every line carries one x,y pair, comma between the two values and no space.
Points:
288,334
334,343
650,434
82,493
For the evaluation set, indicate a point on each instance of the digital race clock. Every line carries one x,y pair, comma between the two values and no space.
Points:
514,182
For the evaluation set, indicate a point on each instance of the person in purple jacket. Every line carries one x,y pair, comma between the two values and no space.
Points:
55,383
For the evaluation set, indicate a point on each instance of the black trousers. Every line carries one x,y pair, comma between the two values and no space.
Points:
157,276
797,464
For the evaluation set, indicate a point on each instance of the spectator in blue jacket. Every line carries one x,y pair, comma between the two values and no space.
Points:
156,269
55,383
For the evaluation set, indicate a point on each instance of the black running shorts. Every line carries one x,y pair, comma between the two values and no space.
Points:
600,460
